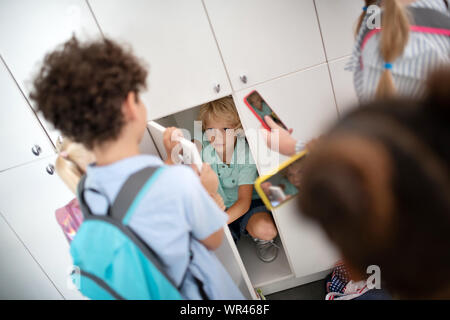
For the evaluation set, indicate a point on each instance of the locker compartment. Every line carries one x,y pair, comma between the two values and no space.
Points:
261,274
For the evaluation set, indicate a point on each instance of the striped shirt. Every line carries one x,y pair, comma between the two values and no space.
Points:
423,53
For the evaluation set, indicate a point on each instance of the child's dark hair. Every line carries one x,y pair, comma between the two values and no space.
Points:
81,87
379,185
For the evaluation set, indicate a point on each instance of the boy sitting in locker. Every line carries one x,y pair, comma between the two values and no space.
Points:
224,147
90,92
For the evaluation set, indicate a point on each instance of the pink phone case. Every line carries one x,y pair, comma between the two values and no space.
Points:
264,124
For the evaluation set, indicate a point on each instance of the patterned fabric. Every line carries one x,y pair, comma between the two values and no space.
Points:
423,53
339,279
69,219
341,287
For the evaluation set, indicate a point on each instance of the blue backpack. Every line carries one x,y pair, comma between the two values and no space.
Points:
110,260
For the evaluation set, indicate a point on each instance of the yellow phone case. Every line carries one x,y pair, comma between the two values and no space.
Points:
265,177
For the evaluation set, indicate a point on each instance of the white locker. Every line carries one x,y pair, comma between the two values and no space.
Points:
344,90
230,258
308,249
265,39
174,38
30,196
338,20
30,29
20,276
22,138
304,101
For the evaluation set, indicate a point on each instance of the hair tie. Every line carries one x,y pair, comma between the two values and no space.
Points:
388,66
64,154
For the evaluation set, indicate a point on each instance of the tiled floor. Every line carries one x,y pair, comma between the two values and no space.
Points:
310,291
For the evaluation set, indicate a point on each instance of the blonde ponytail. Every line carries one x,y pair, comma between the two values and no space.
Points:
72,162
394,37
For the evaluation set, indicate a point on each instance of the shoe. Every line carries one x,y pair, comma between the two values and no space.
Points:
266,250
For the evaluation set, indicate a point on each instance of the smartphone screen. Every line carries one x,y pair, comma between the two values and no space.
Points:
284,184
260,108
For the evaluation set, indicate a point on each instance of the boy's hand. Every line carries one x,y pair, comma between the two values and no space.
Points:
285,144
209,179
219,201
210,182
171,138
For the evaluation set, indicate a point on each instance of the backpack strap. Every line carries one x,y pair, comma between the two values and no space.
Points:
424,20
132,191
85,209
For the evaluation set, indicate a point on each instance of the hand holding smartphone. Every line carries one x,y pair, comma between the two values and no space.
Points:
188,154
282,184
191,154
259,107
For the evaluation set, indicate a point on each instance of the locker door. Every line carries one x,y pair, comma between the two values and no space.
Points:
30,29
344,89
20,276
175,40
30,196
265,39
337,20
304,101
22,138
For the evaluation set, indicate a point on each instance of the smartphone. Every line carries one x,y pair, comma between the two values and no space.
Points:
259,107
189,153
276,195
282,184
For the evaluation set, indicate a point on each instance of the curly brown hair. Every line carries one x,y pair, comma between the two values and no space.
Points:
80,89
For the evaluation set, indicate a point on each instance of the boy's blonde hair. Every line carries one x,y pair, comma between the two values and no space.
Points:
223,108
72,162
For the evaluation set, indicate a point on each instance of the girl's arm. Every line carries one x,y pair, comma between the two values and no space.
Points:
241,206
